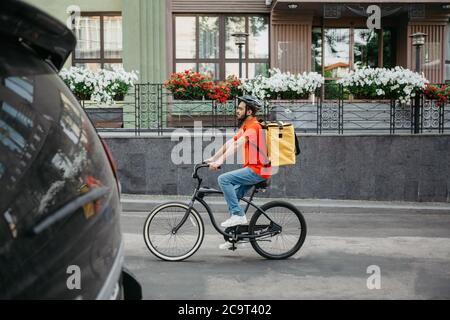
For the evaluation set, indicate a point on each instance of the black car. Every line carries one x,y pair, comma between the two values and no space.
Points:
60,234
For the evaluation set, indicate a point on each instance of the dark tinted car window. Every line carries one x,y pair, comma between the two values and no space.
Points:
49,156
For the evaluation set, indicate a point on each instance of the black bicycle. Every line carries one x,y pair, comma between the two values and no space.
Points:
174,231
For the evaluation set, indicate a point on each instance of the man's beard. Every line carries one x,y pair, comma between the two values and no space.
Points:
241,120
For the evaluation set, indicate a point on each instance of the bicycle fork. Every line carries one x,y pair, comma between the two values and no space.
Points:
186,215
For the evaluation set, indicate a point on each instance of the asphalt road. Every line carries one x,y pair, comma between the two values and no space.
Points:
340,259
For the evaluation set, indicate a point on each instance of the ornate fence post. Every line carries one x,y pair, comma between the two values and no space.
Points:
319,109
137,110
441,118
392,116
341,110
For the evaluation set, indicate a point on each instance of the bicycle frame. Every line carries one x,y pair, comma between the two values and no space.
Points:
199,194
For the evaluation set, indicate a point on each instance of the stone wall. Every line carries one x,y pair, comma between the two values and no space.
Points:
364,167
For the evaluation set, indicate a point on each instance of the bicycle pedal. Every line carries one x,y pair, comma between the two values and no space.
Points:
231,229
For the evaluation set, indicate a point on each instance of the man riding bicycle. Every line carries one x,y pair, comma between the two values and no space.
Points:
277,229
256,168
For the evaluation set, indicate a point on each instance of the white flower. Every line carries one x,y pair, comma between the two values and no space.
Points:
279,82
102,85
397,82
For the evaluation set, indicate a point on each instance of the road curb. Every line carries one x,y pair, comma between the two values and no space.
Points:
147,203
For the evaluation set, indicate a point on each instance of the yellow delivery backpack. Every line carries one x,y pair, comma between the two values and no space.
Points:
282,143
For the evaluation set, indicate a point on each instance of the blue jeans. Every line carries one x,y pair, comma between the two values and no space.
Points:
235,184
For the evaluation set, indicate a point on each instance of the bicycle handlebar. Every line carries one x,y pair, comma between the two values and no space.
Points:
198,166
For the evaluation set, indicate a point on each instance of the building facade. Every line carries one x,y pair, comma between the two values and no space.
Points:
158,37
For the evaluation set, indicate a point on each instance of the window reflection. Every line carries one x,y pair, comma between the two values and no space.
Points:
180,67
388,48
209,37
91,66
47,148
210,68
185,35
258,40
233,25
336,52
198,40
21,86
256,69
233,69
447,54
18,128
10,138
432,56
17,115
109,66
70,120
112,26
316,50
69,164
88,38
365,49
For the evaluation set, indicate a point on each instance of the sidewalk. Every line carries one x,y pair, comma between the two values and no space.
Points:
133,202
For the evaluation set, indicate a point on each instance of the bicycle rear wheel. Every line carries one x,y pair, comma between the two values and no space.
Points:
163,242
287,234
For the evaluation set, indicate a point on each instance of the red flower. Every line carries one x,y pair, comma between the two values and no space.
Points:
194,85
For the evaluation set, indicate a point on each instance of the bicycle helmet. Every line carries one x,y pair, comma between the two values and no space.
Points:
251,101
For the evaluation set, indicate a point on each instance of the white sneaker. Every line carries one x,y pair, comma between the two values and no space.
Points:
228,245
235,220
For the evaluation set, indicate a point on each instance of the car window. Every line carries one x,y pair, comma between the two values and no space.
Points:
50,156
49,151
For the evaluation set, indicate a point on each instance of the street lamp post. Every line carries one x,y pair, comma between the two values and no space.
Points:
418,40
240,40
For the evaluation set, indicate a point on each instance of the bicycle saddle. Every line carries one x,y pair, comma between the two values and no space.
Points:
263,184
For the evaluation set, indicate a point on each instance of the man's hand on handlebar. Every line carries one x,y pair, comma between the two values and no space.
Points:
214,165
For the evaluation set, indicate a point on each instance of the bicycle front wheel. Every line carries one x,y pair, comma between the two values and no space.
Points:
286,230
160,237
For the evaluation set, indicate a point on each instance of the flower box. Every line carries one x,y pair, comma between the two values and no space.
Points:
106,117
284,86
191,86
378,83
102,86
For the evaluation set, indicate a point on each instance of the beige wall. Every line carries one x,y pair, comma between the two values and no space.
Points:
219,6
59,9
432,53
144,31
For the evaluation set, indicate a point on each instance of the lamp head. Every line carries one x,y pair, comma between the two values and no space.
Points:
240,38
418,38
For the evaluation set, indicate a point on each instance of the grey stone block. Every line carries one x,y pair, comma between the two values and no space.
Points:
380,167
